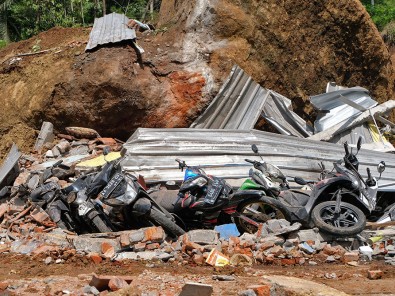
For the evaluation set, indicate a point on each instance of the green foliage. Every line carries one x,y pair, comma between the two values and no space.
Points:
3,43
25,18
382,12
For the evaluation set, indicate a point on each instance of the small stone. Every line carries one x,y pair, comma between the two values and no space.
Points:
312,263
139,247
196,289
330,259
90,290
350,256
198,259
116,284
375,274
58,261
222,277
48,260
261,290
248,292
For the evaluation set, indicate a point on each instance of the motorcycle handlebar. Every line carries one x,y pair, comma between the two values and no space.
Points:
250,161
346,148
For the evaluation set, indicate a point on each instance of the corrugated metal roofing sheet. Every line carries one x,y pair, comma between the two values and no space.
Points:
152,153
241,101
110,29
339,111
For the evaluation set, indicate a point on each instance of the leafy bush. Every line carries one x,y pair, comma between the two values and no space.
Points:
3,43
382,12
389,33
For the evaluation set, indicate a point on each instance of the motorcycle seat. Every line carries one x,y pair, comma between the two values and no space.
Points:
295,197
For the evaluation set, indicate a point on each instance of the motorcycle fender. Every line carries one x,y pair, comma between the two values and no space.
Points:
142,206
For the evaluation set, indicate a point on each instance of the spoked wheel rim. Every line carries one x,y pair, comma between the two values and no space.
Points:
260,212
345,219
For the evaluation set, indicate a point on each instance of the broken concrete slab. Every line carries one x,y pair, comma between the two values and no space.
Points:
203,236
10,169
145,255
46,135
93,245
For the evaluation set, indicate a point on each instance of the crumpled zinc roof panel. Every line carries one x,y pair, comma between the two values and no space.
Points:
110,29
339,111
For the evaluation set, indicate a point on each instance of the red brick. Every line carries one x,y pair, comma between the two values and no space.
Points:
95,257
107,250
234,241
266,245
153,246
375,274
117,283
261,290
287,261
140,247
350,256
3,286
189,246
154,234
101,281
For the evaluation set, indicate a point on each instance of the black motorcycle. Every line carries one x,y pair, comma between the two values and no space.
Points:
206,201
125,201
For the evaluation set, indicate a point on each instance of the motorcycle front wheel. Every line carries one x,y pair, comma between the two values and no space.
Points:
259,210
350,221
160,219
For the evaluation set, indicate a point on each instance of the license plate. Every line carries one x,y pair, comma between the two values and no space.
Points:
112,184
213,192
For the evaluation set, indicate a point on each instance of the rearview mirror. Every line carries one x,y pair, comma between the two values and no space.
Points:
254,148
359,143
381,167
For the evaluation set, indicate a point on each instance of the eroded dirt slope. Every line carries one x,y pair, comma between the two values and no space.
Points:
292,47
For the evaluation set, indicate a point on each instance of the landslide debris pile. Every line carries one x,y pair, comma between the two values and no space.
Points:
294,48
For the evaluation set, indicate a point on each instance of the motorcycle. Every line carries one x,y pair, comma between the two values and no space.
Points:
337,204
70,208
125,201
206,201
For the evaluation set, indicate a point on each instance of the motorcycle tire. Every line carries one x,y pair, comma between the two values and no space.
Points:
350,222
99,224
158,218
269,207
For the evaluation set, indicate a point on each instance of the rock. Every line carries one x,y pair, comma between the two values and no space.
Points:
101,282
261,290
139,247
310,235
277,240
90,290
117,283
88,244
198,259
241,260
153,246
58,261
330,259
3,286
375,274
48,260
203,236
222,277
350,256
305,247
277,227
196,289
146,255
63,146
248,292
312,263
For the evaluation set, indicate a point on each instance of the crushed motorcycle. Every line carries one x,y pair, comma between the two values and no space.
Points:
338,204
206,201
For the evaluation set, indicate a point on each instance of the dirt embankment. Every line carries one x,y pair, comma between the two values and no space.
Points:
294,48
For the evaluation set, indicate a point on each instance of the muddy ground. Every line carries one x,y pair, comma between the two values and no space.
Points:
30,276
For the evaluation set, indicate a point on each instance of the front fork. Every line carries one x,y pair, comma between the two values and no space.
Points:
338,201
